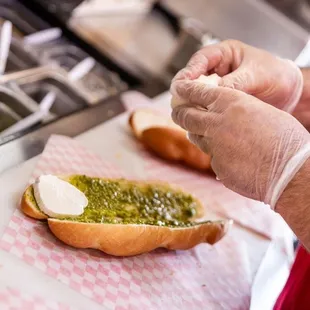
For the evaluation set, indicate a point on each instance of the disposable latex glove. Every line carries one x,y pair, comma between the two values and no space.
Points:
256,149
276,81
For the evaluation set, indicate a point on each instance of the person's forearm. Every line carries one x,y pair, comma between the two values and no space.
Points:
294,205
302,111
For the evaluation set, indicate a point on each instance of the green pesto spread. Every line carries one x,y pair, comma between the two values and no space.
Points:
125,202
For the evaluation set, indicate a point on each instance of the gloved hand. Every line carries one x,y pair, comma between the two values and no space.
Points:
276,81
256,149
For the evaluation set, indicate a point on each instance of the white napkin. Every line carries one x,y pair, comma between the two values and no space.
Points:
273,272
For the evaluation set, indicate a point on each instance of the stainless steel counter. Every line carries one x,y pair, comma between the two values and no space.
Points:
254,22
147,42
141,44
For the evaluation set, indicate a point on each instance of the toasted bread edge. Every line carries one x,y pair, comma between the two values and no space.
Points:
130,239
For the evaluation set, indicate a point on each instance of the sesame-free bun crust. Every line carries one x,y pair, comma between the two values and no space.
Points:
127,239
28,206
172,144
130,239
167,140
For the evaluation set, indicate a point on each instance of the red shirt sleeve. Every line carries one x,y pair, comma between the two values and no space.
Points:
296,293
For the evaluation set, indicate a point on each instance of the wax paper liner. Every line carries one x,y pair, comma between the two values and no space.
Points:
13,299
204,277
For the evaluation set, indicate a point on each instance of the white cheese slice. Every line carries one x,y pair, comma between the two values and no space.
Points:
212,80
58,198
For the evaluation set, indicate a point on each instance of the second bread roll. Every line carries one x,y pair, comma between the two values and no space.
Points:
172,144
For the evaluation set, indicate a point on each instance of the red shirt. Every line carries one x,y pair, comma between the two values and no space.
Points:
296,293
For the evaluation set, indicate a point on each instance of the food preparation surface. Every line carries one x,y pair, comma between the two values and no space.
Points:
112,142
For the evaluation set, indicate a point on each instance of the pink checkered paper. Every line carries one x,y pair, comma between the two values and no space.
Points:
14,299
205,277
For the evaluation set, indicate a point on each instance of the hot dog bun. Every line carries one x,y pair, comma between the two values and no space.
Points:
144,119
127,239
169,141
172,144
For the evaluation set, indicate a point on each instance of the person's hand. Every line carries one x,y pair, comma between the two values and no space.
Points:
255,148
274,80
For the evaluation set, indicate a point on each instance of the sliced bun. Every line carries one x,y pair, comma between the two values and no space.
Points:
28,206
169,141
127,239
143,119
173,144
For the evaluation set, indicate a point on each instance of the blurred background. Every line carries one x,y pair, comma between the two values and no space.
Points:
68,61
67,65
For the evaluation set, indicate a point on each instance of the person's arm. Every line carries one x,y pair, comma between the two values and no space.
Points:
294,205
302,110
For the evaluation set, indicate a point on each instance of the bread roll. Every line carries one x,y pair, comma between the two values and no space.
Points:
128,239
167,140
